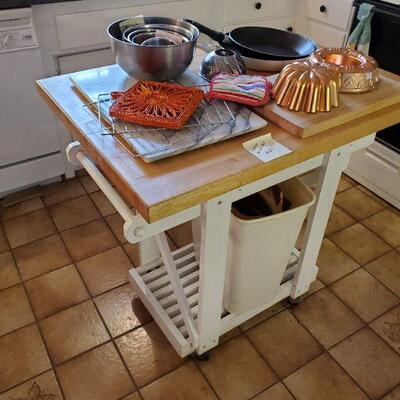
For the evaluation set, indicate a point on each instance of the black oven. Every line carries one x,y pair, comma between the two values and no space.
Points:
385,48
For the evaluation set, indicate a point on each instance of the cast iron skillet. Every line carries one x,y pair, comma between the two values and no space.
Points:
262,43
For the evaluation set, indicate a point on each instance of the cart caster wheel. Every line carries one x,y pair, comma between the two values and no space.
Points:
295,301
203,357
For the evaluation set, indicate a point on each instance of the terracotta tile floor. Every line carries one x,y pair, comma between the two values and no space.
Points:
72,328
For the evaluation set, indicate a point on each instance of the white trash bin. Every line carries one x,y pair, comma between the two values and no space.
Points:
260,249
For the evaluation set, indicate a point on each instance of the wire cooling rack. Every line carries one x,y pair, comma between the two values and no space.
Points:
146,141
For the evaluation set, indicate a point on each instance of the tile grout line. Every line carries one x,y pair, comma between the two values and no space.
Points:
369,262
196,363
31,378
324,350
242,332
96,308
360,220
264,359
91,297
38,328
112,339
73,305
53,366
373,259
356,186
327,349
397,386
328,236
348,374
365,325
344,276
86,195
383,240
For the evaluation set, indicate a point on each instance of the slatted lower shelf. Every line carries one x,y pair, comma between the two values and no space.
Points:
152,284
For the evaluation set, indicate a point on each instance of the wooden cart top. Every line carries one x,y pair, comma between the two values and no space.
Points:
165,187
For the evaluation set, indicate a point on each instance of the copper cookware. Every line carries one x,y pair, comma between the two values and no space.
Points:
306,86
359,72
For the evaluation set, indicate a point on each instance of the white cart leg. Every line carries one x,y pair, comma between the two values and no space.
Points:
148,251
215,218
177,287
332,166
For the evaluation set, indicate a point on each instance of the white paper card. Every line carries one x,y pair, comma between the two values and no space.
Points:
265,148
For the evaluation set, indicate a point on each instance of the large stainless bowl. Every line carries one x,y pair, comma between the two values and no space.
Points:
160,63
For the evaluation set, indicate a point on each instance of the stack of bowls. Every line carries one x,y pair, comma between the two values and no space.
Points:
156,48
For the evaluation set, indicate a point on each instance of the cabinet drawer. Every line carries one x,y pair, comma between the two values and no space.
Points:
242,10
34,171
332,12
86,60
84,29
277,23
323,35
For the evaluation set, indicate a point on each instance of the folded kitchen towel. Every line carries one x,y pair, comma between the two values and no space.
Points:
245,89
360,38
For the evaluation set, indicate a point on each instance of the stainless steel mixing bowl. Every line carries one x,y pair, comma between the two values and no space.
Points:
160,63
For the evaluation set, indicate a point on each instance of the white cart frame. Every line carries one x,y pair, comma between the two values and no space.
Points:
185,298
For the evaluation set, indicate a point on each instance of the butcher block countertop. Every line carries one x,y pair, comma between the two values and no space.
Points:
162,188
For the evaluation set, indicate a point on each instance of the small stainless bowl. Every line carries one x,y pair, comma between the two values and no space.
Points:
139,37
222,61
131,31
158,41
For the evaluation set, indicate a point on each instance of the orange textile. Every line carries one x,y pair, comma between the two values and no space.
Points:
159,104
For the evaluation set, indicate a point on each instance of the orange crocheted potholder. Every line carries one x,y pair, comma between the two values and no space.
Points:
164,105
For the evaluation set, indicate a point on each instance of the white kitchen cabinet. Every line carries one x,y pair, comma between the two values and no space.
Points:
32,140
88,28
331,12
33,171
247,10
71,28
86,60
377,168
33,133
325,21
286,23
268,13
323,35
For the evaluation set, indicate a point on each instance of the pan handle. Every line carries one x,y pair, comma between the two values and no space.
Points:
214,35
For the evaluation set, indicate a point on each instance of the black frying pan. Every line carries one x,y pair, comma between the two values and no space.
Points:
262,43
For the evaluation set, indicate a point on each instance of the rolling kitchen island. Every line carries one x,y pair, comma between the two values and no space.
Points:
185,296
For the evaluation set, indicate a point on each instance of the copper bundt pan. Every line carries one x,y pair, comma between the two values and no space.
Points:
359,72
306,86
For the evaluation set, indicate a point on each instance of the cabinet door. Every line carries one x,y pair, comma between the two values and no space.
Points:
86,60
28,127
88,28
246,10
276,23
323,35
332,12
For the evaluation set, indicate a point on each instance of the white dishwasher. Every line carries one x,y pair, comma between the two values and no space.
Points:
31,138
